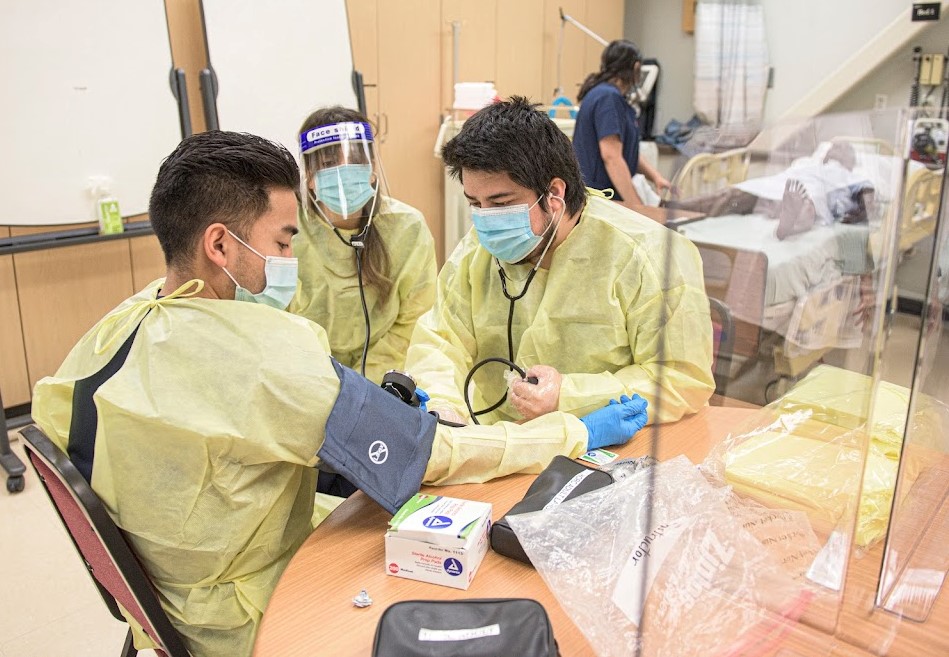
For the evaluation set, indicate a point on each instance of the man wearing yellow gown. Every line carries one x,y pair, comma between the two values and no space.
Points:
199,409
606,301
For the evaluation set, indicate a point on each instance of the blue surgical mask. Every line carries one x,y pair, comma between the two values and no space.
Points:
505,232
280,276
346,188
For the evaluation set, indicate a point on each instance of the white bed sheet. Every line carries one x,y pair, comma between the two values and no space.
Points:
794,266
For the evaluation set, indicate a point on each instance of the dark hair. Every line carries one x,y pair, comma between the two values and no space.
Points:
513,137
376,264
214,177
617,61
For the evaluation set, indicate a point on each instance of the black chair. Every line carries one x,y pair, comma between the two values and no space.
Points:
114,568
8,460
723,345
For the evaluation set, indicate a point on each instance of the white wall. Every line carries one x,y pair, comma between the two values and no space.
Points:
894,77
808,40
656,27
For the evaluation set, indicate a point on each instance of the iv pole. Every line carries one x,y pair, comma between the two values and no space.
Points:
649,71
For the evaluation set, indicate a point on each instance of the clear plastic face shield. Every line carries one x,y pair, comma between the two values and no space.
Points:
340,177
643,84
633,93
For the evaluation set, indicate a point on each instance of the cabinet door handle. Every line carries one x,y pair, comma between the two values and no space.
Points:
377,125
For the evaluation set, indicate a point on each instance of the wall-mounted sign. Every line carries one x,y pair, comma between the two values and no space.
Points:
926,11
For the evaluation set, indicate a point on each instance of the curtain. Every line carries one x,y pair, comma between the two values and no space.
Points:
731,63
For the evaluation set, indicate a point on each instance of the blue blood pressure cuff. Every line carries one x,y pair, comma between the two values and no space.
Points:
377,441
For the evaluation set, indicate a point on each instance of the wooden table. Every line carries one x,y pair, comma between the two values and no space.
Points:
311,611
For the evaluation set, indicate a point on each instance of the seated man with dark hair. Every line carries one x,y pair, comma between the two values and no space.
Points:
199,409
591,298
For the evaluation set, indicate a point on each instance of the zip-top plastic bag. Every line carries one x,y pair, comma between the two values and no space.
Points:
813,450
664,564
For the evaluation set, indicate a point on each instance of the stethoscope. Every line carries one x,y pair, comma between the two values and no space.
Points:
358,244
512,298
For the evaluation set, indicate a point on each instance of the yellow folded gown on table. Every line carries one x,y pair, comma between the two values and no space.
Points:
805,450
842,398
819,477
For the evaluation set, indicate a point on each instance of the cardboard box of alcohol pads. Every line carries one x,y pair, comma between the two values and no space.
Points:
436,539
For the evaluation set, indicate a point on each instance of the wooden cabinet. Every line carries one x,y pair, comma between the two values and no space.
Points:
520,50
395,47
363,18
606,19
63,292
148,261
688,15
49,299
478,42
409,70
14,381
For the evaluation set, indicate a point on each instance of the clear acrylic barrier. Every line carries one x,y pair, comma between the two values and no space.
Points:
916,558
817,526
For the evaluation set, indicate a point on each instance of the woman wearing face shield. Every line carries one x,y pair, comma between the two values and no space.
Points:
606,135
366,261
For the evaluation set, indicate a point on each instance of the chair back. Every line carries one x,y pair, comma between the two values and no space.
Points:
737,278
114,568
722,345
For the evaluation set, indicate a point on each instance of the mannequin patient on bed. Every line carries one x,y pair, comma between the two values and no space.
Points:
799,197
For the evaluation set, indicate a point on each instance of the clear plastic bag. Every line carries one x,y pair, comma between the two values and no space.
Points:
716,574
627,467
808,450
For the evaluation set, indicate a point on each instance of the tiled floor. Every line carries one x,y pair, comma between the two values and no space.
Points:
48,604
49,607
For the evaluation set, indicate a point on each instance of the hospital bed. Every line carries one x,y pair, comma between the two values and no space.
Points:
707,172
920,206
791,299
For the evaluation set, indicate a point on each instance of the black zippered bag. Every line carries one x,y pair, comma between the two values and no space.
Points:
563,479
465,628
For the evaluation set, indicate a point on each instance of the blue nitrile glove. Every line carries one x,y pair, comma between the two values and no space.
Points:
615,423
422,398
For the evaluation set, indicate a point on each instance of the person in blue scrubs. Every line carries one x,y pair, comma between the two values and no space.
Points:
606,135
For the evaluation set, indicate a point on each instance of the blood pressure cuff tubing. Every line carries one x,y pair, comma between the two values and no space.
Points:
465,628
377,441
562,480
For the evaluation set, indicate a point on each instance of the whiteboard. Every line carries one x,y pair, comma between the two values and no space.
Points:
276,62
86,93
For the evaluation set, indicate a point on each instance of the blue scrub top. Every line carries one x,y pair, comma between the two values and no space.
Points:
604,112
